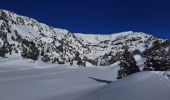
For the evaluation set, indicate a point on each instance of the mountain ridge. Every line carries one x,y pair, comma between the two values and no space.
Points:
79,32
31,39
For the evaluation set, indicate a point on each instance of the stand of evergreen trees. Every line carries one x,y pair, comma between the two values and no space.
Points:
158,58
30,50
127,64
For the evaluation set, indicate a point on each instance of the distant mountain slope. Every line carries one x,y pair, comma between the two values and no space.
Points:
114,42
30,39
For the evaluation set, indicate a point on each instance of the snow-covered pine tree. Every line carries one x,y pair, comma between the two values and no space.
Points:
157,58
127,64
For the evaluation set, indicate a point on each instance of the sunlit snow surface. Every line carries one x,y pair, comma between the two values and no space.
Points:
25,81
140,86
21,80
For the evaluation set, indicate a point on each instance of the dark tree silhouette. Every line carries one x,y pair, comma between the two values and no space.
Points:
127,64
157,58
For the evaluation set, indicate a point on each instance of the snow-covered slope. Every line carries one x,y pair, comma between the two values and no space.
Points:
29,39
51,83
140,86
106,48
65,83
101,44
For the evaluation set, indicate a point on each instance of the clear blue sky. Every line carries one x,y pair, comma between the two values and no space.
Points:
97,16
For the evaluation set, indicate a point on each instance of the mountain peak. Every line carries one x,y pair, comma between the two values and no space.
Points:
30,39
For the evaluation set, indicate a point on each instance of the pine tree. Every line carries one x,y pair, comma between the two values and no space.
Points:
168,59
29,51
3,50
45,58
157,58
127,64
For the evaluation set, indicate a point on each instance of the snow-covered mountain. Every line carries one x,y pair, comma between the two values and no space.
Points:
27,38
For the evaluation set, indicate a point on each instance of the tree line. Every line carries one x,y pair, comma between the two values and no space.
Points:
157,59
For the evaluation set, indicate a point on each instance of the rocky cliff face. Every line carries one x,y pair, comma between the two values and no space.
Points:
31,39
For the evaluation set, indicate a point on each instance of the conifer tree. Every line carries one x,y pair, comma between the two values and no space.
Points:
3,50
157,58
127,64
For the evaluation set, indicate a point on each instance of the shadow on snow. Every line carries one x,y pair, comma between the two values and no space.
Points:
100,80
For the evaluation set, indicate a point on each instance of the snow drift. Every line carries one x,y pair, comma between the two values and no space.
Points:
140,86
